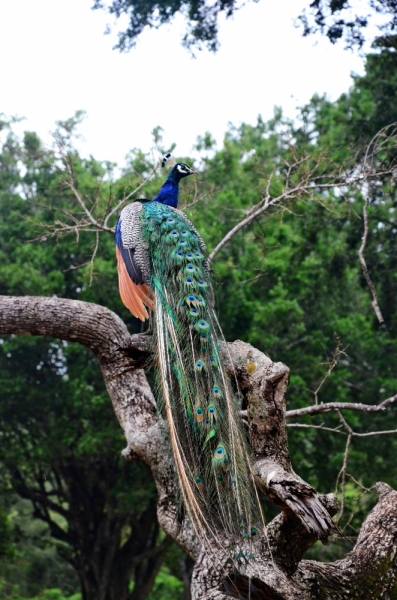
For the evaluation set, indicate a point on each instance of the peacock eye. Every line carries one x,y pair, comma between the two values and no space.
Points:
219,452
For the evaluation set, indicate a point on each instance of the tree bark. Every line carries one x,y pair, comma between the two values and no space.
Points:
277,570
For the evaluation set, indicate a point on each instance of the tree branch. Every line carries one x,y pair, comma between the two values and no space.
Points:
317,409
306,514
364,267
369,571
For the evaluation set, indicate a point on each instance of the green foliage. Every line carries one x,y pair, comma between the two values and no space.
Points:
12,593
296,279
290,284
166,587
299,289
332,18
60,441
201,16
31,563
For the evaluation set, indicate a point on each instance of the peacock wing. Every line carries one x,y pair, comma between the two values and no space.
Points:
133,262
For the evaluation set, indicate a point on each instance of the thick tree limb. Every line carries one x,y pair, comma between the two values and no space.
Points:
263,384
369,571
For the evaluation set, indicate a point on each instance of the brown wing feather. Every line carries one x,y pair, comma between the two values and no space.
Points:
144,294
133,296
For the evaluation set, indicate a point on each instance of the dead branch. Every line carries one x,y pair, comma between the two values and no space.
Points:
342,472
315,180
317,409
125,199
364,267
331,365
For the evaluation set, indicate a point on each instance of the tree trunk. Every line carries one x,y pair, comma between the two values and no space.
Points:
277,571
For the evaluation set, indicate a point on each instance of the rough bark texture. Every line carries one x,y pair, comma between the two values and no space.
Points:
277,571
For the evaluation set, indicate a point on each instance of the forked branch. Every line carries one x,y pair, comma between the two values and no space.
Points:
277,570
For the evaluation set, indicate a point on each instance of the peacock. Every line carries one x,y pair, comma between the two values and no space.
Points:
163,269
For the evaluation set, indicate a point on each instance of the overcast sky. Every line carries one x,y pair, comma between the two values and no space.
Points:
55,60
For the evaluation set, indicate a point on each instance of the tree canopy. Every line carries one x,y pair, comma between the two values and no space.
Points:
336,19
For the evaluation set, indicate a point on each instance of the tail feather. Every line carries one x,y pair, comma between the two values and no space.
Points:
184,476
195,395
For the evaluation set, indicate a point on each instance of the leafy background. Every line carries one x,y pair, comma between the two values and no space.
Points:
290,284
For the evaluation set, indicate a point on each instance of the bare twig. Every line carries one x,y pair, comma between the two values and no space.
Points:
309,426
336,406
342,472
331,365
70,183
130,195
312,182
364,267
91,263
370,433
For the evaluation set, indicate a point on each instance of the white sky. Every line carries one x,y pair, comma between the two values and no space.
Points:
55,60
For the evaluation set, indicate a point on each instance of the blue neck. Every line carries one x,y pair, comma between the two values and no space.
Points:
169,193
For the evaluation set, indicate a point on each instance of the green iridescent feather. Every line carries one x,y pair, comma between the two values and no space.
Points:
194,393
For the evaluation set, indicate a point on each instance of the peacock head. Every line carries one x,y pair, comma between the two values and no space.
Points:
179,170
182,170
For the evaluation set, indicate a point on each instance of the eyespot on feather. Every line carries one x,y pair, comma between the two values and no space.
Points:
220,454
199,414
178,255
199,482
211,412
217,392
189,282
202,284
199,365
191,300
201,301
202,325
190,269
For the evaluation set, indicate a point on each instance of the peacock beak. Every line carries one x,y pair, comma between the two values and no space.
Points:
192,172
